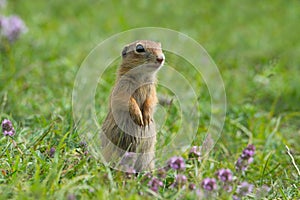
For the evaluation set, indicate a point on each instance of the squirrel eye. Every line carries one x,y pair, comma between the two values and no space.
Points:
139,48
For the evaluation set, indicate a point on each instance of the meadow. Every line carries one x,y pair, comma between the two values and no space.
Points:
255,45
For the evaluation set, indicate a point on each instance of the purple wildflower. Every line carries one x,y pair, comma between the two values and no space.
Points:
91,190
262,192
224,175
200,194
241,165
195,152
245,158
154,184
192,186
71,197
243,189
148,175
179,181
248,152
12,27
130,172
209,184
176,163
234,197
83,144
161,173
52,152
227,187
7,128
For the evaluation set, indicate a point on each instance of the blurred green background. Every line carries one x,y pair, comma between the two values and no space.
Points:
255,44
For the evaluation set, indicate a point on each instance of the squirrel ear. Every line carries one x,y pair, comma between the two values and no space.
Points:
124,52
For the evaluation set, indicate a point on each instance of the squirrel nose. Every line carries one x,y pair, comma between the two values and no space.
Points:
160,58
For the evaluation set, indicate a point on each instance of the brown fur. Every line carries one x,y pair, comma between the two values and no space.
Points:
129,125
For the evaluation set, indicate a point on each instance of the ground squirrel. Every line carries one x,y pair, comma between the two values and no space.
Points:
129,125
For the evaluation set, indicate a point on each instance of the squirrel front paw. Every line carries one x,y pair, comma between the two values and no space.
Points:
137,116
147,117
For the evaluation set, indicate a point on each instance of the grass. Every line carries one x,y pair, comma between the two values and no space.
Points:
255,44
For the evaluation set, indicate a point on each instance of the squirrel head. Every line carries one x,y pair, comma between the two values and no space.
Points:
144,56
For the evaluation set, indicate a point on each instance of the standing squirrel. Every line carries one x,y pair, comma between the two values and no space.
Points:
129,128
